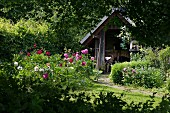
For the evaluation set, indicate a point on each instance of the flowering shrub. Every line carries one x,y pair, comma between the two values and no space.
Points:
138,73
40,66
145,77
128,75
116,72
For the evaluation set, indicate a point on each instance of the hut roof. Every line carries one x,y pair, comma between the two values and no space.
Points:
104,21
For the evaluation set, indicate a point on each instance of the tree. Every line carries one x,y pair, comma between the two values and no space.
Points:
150,16
152,19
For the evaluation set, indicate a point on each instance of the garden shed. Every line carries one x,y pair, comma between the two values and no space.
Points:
105,42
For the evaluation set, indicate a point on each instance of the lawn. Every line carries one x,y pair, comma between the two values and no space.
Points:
128,95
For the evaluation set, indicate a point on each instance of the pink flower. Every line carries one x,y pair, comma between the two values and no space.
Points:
28,53
77,58
45,76
133,71
35,45
47,53
71,60
85,51
39,51
65,58
124,69
77,55
92,58
65,55
83,63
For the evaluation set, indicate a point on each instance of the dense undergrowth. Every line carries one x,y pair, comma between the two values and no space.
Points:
52,98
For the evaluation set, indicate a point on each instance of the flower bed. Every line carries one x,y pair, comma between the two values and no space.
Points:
39,66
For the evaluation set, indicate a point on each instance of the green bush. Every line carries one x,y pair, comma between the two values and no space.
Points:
164,57
116,71
152,55
147,54
145,77
138,73
167,85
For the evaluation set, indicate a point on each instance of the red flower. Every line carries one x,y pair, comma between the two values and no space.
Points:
60,64
45,76
74,54
47,53
35,45
80,57
83,63
28,53
71,60
39,51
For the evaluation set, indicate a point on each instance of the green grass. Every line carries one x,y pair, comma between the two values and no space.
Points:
128,96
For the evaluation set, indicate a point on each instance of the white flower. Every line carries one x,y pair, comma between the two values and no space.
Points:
15,63
41,69
19,67
71,67
36,68
49,67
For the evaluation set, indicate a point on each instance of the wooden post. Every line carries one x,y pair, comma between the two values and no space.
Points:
97,52
100,53
102,47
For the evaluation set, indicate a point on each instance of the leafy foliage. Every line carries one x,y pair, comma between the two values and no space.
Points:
55,25
53,98
157,57
164,57
145,77
25,33
151,17
138,73
117,74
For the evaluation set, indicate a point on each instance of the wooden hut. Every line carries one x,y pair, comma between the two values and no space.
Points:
104,41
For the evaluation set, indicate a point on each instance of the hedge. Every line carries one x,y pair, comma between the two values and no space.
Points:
116,74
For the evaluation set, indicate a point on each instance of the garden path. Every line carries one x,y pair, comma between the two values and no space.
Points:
105,80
